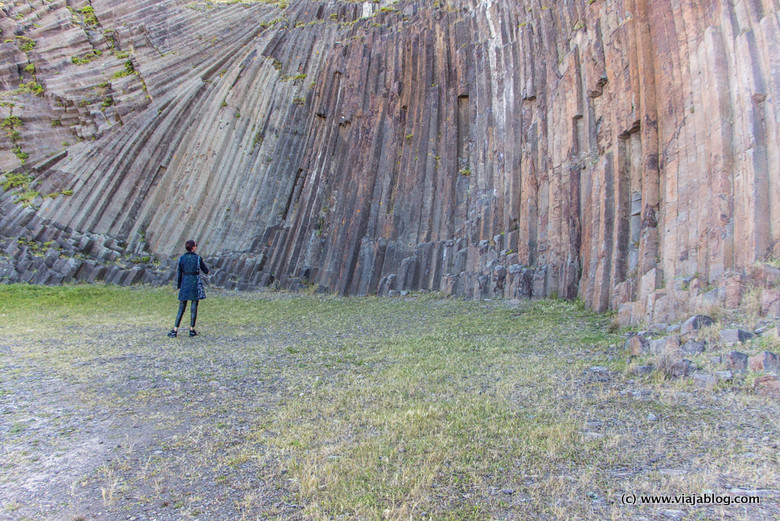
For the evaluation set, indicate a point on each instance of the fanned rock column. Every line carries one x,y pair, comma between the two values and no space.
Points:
624,152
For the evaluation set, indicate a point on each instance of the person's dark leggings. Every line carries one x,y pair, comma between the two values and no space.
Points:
193,313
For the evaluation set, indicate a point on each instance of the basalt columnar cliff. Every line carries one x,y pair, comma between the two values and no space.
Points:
622,151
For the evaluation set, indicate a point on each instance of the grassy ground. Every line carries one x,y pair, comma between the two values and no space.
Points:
307,407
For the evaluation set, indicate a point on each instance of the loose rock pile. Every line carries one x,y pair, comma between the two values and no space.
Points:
50,254
710,355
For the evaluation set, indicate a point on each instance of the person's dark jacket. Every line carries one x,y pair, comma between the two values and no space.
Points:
190,265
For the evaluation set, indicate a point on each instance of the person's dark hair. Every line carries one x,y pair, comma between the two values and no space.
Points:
189,245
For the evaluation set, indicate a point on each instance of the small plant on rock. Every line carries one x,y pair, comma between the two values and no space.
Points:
31,87
88,58
129,70
17,150
16,180
11,122
26,197
25,44
88,12
258,139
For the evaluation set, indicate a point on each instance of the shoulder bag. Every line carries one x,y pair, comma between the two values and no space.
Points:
201,289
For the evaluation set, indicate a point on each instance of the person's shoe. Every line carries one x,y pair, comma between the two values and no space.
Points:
193,332
172,333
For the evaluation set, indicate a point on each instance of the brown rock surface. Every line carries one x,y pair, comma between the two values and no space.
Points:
764,361
770,302
499,149
667,345
637,345
767,385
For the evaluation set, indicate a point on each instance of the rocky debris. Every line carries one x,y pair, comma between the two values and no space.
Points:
733,336
658,329
642,370
61,256
765,275
724,376
73,257
771,332
670,351
732,288
695,323
637,345
704,380
665,345
679,368
598,373
736,361
770,302
692,347
709,381
764,361
767,385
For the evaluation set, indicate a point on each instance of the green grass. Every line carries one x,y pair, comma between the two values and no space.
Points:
88,58
25,44
128,70
11,122
89,15
774,262
31,87
374,408
26,197
16,180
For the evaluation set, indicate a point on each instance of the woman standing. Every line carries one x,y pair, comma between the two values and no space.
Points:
190,286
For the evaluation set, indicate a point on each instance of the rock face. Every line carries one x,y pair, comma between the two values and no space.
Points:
625,152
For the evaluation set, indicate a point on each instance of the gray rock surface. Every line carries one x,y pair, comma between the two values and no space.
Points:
703,380
736,361
483,149
694,323
693,348
735,336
